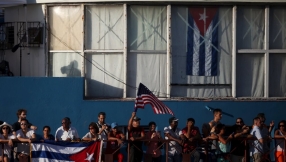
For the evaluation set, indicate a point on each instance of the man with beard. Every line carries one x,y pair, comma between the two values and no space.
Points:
174,134
22,114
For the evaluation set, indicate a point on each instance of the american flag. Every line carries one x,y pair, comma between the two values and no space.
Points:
145,96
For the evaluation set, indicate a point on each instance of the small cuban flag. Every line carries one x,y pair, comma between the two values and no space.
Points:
66,151
202,41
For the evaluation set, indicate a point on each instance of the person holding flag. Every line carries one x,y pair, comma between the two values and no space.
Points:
135,134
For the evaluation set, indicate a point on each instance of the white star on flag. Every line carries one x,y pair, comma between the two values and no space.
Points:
203,17
89,157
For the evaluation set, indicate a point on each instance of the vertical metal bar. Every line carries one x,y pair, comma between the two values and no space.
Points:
266,47
46,41
245,151
125,49
82,44
166,151
169,49
234,12
128,152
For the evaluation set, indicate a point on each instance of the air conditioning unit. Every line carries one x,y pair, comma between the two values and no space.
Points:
35,35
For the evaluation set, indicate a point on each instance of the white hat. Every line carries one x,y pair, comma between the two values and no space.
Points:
6,124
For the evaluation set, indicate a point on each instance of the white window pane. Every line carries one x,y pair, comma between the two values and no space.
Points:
149,69
65,64
277,75
277,24
250,27
65,24
147,27
250,75
184,29
104,27
104,75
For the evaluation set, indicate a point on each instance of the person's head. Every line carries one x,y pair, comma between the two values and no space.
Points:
6,128
101,117
92,127
66,122
220,129
136,121
257,121
217,114
261,116
24,124
114,127
239,121
152,126
173,121
46,130
191,121
282,125
21,114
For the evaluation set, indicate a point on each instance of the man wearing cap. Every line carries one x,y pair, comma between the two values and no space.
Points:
66,132
135,134
115,139
175,135
7,137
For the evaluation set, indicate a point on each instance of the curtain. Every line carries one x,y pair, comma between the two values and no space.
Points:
250,27
147,35
250,75
65,24
180,26
277,75
104,75
277,32
104,27
63,64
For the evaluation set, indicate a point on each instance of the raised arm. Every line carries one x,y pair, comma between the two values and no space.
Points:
130,121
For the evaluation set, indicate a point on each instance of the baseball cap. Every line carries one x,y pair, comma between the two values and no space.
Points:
136,118
173,119
113,125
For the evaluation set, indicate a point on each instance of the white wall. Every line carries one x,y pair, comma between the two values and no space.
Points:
33,59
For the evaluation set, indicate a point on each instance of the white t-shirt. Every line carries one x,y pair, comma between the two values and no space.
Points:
174,147
256,146
89,135
62,135
7,148
24,147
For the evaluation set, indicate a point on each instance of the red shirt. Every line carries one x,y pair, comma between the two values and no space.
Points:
190,145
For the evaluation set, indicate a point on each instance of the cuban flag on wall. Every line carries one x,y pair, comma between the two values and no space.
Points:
202,41
66,151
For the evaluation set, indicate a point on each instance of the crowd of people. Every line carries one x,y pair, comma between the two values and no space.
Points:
223,143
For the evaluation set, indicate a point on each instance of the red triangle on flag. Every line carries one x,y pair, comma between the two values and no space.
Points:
203,16
89,154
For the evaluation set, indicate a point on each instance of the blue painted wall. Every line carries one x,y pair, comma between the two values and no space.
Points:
48,100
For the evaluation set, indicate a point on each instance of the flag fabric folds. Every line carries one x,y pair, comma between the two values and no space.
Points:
202,41
145,96
66,151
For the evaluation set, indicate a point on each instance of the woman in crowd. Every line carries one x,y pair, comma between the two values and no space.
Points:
223,143
92,135
152,146
24,135
46,134
280,148
115,139
6,136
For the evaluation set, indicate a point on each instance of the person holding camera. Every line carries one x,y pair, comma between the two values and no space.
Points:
153,147
103,132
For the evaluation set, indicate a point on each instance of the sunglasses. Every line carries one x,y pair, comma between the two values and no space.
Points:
281,125
90,128
46,130
23,124
5,128
239,122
